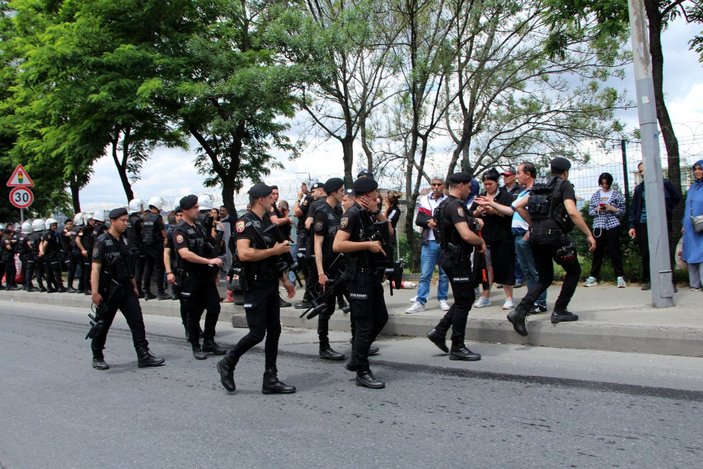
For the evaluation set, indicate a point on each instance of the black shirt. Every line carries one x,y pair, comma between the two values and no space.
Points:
251,227
326,224
112,255
191,237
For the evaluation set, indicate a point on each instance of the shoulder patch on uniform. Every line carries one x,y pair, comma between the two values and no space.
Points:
96,251
344,222
179,238
240,225
460,211
318,226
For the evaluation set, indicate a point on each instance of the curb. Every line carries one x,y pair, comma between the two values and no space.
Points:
584,334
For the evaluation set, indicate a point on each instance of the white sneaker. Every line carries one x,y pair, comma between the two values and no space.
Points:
591,282
508,305
621,282
413,299
482,302
415,308
443,305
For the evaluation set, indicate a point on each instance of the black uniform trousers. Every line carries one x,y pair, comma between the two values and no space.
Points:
53,271
607,240
74,266
198,294
154,263
558,249
368,314
263,310
457,316
128,304
10,271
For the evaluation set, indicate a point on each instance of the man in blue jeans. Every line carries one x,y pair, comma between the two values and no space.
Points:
429,255
526,174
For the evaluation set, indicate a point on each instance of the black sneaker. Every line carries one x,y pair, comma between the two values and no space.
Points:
562,316
537,309
283,303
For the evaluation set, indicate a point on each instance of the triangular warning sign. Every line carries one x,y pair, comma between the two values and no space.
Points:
20,178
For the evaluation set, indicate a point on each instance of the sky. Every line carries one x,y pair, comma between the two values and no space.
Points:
170,173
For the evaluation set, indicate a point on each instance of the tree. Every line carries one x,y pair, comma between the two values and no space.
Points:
352,55
229,87
509,98
612,19
80,70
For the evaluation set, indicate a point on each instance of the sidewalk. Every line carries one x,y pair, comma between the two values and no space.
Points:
611,319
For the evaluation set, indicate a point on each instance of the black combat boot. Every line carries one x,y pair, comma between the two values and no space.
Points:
198,353
273,386
438,339
366,379
226,369
99,363
211,347
517,319
460,352
327,353
146,359
148,295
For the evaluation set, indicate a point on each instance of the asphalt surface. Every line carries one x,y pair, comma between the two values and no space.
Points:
520,406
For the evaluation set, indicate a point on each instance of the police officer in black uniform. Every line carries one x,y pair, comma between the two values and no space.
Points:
173,269
363,279
154,240
51,251
8,249
302,209
35,262
259,256
137,256
457,240
550,243
325,226
197,281
113,283
84,242
66,257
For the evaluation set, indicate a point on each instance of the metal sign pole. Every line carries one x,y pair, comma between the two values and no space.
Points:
660,262
21,216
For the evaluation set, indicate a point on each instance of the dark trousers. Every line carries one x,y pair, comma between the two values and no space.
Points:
74,266
132,312
53,273
84,281
607,240
368,314
458,314
10,272
323,321
29,272
264,320
154,262
545,255
199,295
643,243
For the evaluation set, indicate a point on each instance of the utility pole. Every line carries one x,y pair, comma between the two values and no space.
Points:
660,260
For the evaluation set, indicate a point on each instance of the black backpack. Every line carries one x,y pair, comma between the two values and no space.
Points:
545,203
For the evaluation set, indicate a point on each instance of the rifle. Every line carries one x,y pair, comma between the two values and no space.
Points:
285,261
319,300
380,231
98,312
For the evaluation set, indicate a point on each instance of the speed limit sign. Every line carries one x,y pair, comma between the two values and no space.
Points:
21,197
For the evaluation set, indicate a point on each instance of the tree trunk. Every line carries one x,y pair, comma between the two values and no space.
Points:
122,167
75,193
670,141
348,157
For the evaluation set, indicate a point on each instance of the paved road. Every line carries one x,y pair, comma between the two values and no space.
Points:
57,411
